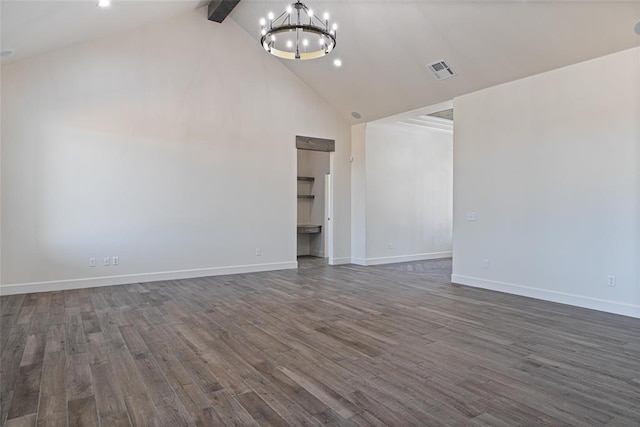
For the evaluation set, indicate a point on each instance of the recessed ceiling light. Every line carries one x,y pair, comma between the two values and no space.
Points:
637,28
356,115
6,53
337,62
104,3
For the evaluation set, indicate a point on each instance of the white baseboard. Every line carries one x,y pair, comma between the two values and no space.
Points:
548,295
339,261
400,258
92,282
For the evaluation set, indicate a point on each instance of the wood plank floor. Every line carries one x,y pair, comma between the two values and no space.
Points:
390,345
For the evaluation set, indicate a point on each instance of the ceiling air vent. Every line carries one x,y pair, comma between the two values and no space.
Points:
441,70
444,114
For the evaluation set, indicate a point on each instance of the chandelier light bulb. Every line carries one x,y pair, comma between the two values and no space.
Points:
310,13
337,63
335,27
104,3
289,44
273,38
263,21
263,32
326,16
271,16
322,41
305,42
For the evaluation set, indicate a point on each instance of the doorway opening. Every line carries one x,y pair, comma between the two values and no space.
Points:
402,188
314,192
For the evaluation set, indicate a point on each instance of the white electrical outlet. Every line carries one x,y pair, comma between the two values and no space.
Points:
485,264
472,216
611,281
107,261
92,262
115,260
390,246
258,251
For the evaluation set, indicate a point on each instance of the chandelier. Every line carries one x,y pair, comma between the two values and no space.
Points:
298,33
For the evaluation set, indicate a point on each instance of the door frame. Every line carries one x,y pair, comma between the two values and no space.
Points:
327,146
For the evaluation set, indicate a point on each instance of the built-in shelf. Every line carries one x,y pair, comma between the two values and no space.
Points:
306,196
306,178
309,229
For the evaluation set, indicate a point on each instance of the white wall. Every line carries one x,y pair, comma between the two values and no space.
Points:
171,146
551,166
409,193
358,192
407,181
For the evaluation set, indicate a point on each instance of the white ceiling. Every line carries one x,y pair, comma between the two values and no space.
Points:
30,27
384,44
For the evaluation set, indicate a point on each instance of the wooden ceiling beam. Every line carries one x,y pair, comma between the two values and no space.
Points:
220,9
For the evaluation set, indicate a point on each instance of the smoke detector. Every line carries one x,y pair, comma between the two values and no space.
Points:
441,70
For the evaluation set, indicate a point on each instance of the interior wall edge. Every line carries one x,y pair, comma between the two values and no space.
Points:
401,258
93,282
607,306
339,261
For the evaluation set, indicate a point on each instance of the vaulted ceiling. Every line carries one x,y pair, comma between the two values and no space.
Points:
384,45
31,27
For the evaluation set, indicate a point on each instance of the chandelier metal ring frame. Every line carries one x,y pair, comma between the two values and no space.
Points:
309,24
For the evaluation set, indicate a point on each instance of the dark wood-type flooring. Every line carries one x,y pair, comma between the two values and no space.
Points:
391,345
